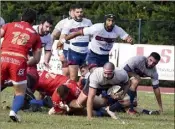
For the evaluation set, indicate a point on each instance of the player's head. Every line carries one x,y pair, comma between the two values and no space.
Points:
29,15
71,12
46,23
84,69
63,91
2,22
109,22
152,60
108,70
78,13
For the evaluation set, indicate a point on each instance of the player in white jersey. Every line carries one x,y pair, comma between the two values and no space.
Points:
100,79
43,29
56,35
141,66
78,46
104,35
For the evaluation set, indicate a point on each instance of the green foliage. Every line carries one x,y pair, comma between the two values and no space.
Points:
157,17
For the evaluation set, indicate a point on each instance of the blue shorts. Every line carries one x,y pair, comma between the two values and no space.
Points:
65,52
75,58
96,60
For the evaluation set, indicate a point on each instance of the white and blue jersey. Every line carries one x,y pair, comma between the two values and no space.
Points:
78,44
59,27
102,40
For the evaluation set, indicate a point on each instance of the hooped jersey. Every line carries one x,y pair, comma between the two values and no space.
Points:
79,43
59,27
102,40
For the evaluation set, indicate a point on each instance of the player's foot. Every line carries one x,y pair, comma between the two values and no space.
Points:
14,116
131,112
111,114
154,113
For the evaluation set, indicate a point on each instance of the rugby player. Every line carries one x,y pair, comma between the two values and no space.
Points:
78,46
141,66
19,38
104,35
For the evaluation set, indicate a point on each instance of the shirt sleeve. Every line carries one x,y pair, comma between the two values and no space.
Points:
91,30
59,26
155,79
67,27
49,43
122,33
93,81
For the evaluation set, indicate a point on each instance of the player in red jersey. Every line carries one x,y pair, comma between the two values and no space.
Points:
55,85
19,37
63,95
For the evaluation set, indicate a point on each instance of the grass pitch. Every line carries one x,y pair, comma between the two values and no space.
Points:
44,121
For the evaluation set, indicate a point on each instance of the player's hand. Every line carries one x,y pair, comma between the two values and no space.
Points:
52,111
59,45
64,106
47,65
129,40
161,110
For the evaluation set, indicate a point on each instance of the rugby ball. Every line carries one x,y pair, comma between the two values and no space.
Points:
114,89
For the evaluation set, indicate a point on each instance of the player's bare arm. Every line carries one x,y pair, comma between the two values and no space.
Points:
158,97
91,95
129,39
35,59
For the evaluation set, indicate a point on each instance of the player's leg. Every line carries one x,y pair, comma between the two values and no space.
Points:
73,62
63,59
80,102
132,92
94,60
18,77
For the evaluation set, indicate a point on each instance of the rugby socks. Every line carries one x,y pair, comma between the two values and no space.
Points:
146,111
38,102
18,101
100,112
132,95
116,106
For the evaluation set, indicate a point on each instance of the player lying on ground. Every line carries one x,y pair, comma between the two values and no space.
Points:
121,105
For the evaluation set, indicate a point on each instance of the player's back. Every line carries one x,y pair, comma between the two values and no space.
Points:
20,37
48,82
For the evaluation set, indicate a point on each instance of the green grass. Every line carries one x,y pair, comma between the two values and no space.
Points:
44,121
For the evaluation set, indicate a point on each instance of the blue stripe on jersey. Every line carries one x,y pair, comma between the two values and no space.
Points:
81,44
104,49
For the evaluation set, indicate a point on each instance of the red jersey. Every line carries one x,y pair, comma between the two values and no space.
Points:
20,37
73,94
48,82
32,70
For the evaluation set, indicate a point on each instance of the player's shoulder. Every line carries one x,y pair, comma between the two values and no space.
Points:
35,27
138,58
87,20
120,71
98,26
